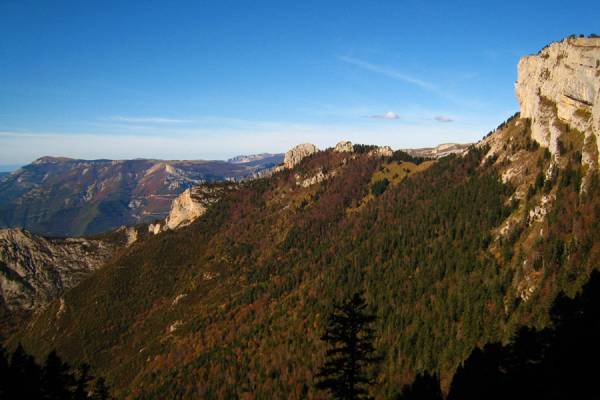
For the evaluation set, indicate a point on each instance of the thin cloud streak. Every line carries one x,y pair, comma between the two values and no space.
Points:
149,120
393,73
443,118
389,72
388,115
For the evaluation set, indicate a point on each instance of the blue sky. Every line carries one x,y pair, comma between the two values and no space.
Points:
212,79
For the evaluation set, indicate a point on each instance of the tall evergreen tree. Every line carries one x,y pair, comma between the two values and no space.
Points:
350,338
57,379
82,382
100,390
22,378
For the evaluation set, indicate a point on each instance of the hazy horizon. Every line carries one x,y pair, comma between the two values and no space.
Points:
212,81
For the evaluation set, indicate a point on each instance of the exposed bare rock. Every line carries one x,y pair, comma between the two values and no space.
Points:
183,211
442,150
381,151
561,85
132,235
542,209
175,325
154,228
298,153
313,180
192,204
35,269
344,147
177,299
528,283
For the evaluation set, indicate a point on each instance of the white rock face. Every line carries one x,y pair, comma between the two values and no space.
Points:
190,205
184,210
154,228
540,211
440,151
382,151
562,84
344,147
35,270
317,178
298,153
132,235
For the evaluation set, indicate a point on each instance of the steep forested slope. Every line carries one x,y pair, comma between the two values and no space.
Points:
233,305
451,255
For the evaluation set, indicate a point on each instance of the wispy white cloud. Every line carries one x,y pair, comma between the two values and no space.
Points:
443,118
227,139
387,115
149,120
389,72
396,74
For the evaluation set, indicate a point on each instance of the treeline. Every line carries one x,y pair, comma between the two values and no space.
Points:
21,377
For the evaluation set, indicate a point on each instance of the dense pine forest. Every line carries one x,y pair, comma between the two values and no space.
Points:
234,305
21,377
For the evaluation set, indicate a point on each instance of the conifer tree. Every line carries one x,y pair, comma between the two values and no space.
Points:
100,390
350,340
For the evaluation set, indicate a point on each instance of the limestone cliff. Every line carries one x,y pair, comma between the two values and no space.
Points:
190,205
298,153
559,89
439,151
34,270
344,147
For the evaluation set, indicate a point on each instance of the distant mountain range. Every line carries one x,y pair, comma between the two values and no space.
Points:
69,197
257,158
59,196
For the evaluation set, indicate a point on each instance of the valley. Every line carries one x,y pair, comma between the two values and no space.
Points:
67,197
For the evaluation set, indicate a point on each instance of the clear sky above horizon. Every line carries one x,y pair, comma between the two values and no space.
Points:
213,79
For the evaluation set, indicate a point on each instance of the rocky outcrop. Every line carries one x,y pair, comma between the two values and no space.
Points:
154,228
541,210
381,151
316,178
131,234
440,151
35,270
295,155
344,147
184,210
190,205
561,86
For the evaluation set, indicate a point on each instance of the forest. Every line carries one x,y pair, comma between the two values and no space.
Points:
234,305
21,377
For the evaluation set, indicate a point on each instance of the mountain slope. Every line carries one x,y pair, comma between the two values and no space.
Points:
451,255
252,279
66,197
35,270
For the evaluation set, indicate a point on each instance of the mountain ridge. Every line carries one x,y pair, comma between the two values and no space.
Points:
453,255
71,197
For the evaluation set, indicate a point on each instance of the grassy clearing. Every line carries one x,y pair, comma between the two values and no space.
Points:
395,172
